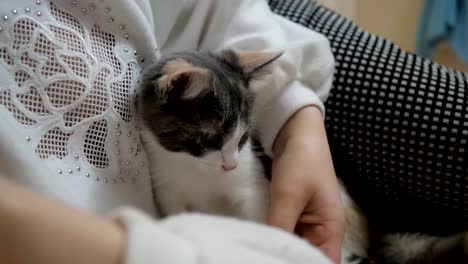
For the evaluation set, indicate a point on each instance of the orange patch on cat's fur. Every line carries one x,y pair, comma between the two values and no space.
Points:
250,61
198,78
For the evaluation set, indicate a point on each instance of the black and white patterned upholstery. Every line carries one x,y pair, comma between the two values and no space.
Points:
397,125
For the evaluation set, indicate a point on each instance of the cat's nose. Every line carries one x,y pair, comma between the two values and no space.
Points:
228,167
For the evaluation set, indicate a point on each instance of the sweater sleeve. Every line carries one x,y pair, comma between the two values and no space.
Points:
302,76
203,239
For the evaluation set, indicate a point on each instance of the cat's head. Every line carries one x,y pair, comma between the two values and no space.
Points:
200,103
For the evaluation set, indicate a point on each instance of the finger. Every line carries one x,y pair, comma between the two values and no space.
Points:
323,237
222,231
331,250
284,211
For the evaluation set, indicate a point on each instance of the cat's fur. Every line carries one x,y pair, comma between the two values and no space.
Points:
197,124
196,113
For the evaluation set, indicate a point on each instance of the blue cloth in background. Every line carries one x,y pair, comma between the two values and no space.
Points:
443,20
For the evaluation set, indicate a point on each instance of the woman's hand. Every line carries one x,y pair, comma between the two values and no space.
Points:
305,192
35,229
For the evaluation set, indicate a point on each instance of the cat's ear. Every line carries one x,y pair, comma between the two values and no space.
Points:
183,80
254,63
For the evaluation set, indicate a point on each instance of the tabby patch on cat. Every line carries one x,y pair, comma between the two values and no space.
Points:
196,114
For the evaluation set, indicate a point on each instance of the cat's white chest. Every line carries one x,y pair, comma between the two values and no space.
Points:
183,183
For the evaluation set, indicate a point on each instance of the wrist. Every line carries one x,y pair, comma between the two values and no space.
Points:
303,139
306,127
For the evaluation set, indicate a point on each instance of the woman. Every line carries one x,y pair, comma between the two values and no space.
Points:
70,73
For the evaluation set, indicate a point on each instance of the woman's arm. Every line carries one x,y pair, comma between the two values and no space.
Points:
305,192
39,230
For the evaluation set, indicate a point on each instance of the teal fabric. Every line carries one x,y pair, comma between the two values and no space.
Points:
443,20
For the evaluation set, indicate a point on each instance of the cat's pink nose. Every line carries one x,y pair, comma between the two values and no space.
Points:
228,167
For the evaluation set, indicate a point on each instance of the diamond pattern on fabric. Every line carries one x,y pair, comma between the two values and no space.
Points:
32,101
95,104
94,147
21,77
68,77
22,32
5,100
122,95
103,44
64,93
66,19
54,143
5,56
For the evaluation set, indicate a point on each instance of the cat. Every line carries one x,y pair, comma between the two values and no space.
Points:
197,125
195,111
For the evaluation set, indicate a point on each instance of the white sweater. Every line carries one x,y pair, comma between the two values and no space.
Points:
69,71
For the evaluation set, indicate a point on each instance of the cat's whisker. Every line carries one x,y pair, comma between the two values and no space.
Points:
208,164
256,148
259,154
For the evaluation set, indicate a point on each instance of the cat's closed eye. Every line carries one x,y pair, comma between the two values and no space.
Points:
243,139
214,142
194,148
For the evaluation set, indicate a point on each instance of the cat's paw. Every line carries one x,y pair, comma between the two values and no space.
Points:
355,259
348,257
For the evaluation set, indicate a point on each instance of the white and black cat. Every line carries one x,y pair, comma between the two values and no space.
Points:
195,110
